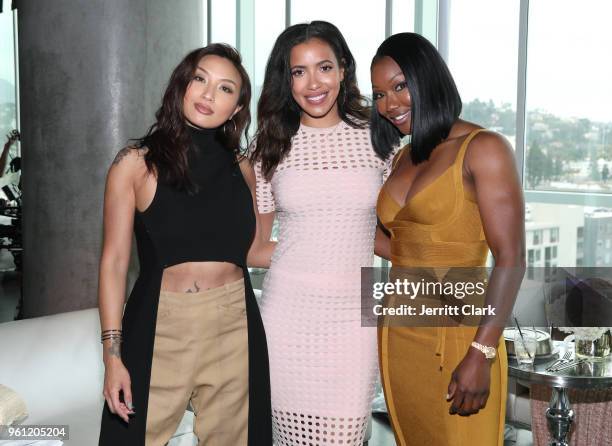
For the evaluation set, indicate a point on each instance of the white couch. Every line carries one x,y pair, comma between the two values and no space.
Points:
55,364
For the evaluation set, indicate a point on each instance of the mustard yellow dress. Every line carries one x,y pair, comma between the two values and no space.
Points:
440,226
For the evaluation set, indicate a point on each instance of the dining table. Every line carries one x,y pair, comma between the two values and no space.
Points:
588,374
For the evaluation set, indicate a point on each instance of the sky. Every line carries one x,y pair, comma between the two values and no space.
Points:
569,70
7,70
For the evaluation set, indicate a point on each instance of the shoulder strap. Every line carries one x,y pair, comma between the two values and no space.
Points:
464,146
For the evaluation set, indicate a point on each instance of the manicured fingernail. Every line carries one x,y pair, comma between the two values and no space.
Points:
447,395
130,406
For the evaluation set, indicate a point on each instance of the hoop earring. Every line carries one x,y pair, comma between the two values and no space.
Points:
235,126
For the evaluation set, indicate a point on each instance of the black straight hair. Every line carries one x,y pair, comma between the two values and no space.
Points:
436,103
278,115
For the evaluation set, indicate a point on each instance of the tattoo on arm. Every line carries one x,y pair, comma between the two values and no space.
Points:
114,348
121,154
197,288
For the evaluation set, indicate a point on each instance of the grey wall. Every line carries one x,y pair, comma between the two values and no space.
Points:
91,76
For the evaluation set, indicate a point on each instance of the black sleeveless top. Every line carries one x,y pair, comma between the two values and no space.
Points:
217,223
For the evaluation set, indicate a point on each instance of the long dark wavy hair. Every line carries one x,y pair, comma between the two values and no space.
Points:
278,115
436,103
168,140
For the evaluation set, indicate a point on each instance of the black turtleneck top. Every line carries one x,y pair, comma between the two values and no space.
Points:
217,223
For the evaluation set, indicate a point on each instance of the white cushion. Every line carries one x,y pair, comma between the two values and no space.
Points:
12,407
55,364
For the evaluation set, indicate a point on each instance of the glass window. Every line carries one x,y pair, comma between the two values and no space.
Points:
402,16
482,57
8,115
537,237
581,236
530,257
269,23
8,95
223,21
569,122
554,235
363,27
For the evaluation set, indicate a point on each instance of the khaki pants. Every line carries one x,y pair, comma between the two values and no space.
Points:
201,356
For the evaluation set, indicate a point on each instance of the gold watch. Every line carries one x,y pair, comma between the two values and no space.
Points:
489,352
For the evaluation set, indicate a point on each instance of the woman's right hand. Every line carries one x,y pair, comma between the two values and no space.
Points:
117,379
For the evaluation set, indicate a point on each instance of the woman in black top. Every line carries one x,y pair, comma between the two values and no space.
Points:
189,196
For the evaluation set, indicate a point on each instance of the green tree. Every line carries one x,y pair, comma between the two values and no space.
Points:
549,167
557,168
594,169
537,164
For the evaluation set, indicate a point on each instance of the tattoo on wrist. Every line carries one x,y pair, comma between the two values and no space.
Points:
197,288
114,348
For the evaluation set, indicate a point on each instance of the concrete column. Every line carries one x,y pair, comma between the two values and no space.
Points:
92,73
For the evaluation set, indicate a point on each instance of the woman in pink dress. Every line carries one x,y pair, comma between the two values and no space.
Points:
318,174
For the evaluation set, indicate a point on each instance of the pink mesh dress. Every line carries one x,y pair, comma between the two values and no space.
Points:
323,364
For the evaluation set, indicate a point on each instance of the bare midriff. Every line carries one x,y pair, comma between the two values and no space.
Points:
194,277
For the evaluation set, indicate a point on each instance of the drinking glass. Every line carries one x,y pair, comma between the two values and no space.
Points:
525,347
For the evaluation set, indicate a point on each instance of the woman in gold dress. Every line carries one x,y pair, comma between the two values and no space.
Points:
453,195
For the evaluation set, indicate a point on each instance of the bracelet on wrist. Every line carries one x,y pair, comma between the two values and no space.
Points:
112,334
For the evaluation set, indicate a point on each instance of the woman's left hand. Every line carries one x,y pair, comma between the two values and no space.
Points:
470,382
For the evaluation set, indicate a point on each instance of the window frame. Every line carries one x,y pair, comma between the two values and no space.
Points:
432,20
